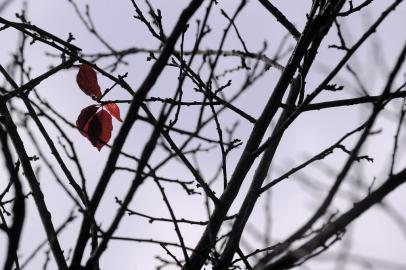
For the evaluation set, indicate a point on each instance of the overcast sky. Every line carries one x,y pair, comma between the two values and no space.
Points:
375,234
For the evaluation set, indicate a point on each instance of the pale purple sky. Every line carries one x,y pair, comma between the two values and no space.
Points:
374,234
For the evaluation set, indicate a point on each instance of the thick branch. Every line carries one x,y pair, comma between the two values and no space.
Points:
336,227
139,96
281,18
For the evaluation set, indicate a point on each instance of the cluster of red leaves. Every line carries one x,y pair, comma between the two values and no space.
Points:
95,121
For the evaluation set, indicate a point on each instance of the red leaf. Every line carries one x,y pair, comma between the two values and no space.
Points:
99,129
87,81
114,110
84,117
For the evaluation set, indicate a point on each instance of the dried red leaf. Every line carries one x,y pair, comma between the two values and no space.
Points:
99,129
87,81
114,110
84,117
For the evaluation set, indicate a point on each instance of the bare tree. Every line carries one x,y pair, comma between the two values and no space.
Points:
196,137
